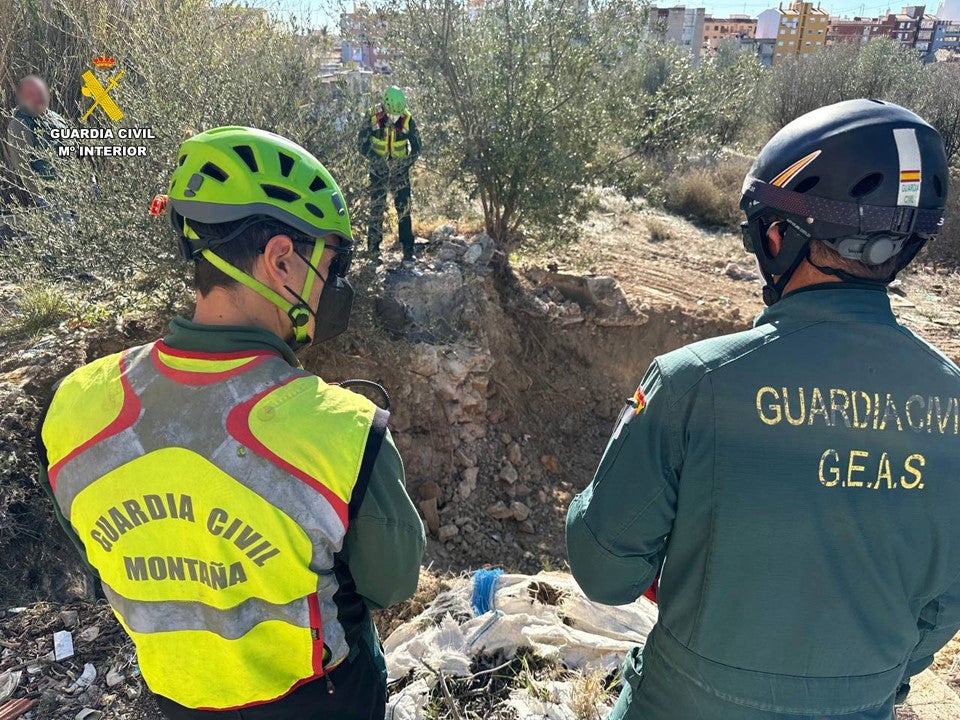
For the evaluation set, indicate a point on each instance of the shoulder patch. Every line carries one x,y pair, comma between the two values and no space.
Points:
635,405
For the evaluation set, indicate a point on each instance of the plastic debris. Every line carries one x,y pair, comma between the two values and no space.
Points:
9,681
86,678
114,677
62,645
484,589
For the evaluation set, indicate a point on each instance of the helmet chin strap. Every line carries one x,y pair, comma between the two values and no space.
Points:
299,312
773,290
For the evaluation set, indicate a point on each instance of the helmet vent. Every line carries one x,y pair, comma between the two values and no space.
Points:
182,160
938,186
246,154
807,184
286,164
318,184
867,185
314,209
279,193
211,170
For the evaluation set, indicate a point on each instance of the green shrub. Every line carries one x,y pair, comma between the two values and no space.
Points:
40,308
189,65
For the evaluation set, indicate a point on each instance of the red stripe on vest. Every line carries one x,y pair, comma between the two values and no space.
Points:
239,427
129,412
193,377
195,355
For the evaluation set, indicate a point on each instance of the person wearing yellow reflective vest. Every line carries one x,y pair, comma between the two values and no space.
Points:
390,141
242,514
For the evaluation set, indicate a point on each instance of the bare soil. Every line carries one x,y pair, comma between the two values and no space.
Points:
555,390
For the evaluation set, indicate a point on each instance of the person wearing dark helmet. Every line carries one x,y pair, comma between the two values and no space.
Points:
242,514
794,485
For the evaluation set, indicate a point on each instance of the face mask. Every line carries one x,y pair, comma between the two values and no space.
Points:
332,314
333,310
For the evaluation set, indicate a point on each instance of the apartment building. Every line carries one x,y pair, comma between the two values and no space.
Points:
718,29
680,25
798,30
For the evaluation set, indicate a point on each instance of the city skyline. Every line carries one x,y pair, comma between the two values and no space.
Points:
327,12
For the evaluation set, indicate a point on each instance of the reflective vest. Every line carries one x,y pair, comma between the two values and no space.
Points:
390,139
211,491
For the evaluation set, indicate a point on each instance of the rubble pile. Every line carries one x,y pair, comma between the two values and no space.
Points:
479,483
569,298
69,662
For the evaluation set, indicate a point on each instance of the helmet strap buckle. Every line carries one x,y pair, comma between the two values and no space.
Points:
904,220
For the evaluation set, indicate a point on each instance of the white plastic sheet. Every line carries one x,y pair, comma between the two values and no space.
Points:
546,613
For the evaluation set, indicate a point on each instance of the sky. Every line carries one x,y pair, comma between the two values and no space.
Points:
326,12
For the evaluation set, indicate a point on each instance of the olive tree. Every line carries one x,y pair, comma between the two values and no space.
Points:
515,88
882,69
189,65
939,104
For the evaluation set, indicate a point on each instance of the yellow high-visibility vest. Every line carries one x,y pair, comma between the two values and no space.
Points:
390,139
211,491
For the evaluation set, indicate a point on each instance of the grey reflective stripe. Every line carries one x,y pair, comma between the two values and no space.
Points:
206,435
172,615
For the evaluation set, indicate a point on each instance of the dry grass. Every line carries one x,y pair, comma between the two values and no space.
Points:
659,229
589,696
709,195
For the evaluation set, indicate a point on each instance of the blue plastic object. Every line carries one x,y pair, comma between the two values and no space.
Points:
484,590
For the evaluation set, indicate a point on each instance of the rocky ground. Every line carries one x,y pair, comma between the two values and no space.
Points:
504,383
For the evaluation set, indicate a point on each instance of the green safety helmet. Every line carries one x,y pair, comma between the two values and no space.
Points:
394,101
230,173
235,173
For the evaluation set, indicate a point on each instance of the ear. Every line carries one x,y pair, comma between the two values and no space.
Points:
774,239
277,261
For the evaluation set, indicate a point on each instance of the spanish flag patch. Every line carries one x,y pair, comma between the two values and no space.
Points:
635,404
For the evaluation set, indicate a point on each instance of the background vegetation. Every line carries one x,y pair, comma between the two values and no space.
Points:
524,106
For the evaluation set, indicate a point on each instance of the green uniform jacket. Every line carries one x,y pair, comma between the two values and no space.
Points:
798,487
385,541
29,148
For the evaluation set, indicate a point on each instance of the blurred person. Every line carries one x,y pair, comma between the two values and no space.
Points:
794,485
28,145
242,515
390,141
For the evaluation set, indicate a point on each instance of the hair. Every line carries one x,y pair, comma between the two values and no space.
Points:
823,254
31,79
241,252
